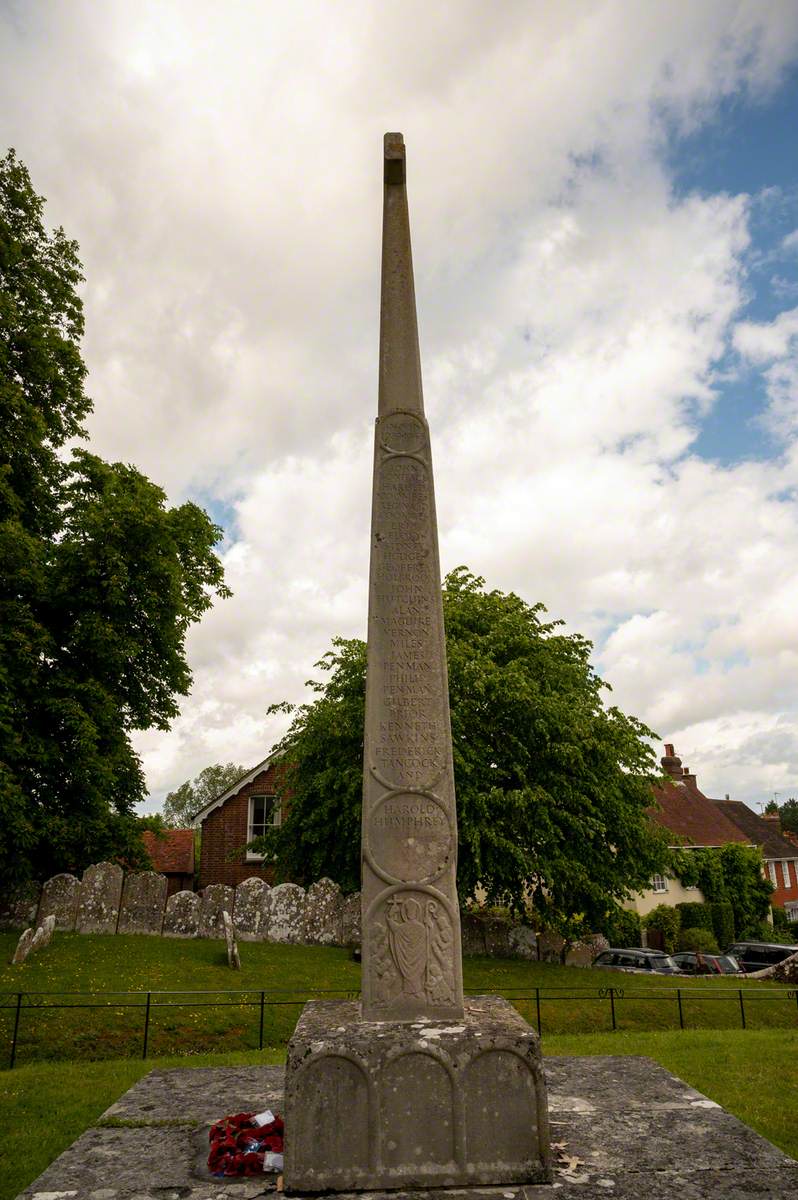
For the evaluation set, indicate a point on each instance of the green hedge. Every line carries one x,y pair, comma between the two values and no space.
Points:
722,922
696,916
622,929
698,938
668,921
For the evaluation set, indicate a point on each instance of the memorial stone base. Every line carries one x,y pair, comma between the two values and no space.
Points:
373,1105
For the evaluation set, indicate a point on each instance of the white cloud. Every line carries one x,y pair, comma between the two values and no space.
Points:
221,171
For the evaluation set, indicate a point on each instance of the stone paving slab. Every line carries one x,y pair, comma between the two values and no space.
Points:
623,1126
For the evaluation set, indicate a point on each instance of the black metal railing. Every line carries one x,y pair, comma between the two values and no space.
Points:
18,1004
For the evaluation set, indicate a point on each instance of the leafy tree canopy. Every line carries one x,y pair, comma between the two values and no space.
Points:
552,786
180,805
788,814
99,578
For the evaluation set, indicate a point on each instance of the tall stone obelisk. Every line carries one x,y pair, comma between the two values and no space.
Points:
413,1088
412,961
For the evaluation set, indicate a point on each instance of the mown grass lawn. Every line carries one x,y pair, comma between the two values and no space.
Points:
92,967
753,1073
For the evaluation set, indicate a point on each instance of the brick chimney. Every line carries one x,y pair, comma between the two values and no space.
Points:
671,765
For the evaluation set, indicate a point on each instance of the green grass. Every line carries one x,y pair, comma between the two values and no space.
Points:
754,1074
77,963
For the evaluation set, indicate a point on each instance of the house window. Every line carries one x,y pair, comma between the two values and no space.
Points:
659,884
772,872
264,813
785,874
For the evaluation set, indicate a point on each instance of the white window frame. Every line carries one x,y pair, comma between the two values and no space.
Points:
772,872
659,884
785,874
277,820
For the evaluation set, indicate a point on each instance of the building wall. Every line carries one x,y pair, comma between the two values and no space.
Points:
781,893
224,832
645,901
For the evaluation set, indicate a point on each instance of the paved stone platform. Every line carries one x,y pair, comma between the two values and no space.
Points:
621,1127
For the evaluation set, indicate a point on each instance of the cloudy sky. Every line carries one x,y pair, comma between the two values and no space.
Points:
604,206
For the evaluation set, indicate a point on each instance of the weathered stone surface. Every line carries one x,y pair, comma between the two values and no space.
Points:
182,915
251,910
233,960
98,898
217,898
429,1103
582,953
412,962
324,914
23,947
703,1151
550,946
522,942
287,913
43,934
143,902
19,908
60,898
350,920
485,933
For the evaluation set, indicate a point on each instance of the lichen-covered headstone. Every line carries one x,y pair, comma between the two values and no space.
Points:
182,916
350,920
233,960
60,899
43,934
324,914
19,908
23,947
251,910
523,942
98,898
143,901
217,898
287,917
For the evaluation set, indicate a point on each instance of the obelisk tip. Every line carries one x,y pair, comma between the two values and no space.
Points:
394,158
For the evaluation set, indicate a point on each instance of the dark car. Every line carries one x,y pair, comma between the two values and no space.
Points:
755,956
636,960
691,962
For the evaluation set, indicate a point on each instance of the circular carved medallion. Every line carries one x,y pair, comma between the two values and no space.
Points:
410,837
402,433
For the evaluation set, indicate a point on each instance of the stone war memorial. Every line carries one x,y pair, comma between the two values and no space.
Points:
414,1087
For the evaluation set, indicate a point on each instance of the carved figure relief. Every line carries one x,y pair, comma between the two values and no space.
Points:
412,951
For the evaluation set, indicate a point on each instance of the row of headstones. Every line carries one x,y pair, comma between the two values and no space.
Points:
106,900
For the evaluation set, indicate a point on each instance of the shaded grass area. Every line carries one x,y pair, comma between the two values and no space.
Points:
225,1011
44,1107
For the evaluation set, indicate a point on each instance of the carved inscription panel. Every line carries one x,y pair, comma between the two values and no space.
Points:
411,951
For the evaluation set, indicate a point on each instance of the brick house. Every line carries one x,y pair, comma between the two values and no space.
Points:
241,813
681,808
172,855
780,855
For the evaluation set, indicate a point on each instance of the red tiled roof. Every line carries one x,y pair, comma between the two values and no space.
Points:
684,810
763,833
172,854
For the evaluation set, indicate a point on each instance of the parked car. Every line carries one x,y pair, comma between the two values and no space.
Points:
692,962
755,956
636,960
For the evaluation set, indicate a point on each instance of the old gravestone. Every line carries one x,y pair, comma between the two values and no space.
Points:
324,913
251,909
43,935
60,898
143,902
287,913
233,959
217,898
350,920
23,946
98,898
182,916
416,1087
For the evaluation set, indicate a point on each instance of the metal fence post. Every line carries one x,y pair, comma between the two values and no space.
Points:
612,1006
681,1014
260,1034
16,1031
146,1025
742,1007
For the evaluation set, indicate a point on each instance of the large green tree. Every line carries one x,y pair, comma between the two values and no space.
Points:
99,578
552,785
788,815
180,805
